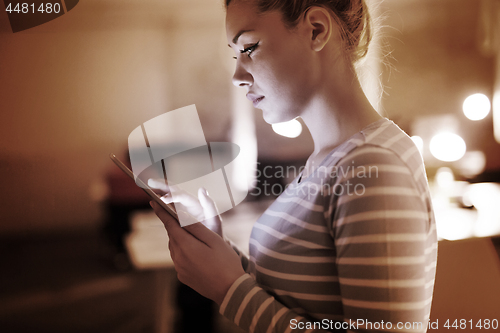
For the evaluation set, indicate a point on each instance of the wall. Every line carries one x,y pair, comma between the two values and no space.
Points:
436,60
72,90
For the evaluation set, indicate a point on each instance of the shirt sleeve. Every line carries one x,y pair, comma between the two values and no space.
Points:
384,241
254,310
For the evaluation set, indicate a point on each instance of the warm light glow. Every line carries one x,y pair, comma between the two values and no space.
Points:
454,223
476,107
419,142
485,197
447,147
243,134
444,177
290,129
496,112
472,164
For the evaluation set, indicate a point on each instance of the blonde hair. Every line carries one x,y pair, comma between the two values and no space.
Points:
352,16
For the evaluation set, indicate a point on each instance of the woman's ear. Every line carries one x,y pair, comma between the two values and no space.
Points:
320,25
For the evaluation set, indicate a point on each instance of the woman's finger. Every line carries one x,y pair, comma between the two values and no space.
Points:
204,234
212,219
158,184
174,229
171,247
172,226
167,198
207,203
172,193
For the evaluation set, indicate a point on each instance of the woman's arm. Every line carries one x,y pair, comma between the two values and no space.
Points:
254,310
386,242
208,264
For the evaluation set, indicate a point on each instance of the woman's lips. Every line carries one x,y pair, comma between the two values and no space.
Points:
256,99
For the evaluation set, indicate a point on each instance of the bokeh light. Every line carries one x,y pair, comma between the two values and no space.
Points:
472,164
485,197
444,177
447,147
290,129
476,107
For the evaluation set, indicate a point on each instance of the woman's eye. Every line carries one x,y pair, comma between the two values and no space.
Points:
249,50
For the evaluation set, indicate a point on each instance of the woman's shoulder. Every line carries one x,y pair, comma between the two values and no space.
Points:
380,142
381,149
380,154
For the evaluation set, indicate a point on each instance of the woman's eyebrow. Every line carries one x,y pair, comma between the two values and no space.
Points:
235,39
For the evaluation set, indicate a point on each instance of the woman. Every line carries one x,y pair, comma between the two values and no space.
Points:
351,243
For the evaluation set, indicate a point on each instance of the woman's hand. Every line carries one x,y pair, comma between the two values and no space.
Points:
202,259
198,208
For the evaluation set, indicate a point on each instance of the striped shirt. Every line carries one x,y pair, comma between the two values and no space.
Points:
351,247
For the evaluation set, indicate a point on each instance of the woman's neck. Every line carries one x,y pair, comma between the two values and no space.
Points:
332,122
332,118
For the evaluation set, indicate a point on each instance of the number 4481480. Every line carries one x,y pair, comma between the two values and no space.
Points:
30,8
462,324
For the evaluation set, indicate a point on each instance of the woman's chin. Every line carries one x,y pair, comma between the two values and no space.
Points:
271,120
271,117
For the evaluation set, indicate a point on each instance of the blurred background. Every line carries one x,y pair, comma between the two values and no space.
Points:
80,250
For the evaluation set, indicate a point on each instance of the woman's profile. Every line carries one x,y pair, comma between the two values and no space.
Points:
351,244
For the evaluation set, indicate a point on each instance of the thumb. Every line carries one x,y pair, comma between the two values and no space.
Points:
204,234
158,184
207,204
212,219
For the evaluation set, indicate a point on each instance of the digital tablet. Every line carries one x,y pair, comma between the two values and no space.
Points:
149,191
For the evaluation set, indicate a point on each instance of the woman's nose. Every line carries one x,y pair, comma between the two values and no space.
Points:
241,76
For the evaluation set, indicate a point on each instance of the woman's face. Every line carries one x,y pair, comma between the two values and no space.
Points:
273,63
